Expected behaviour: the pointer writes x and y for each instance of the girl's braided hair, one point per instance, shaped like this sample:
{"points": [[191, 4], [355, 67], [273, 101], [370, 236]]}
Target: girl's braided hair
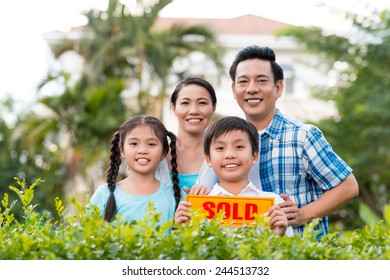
{"points": [[117, 143]]}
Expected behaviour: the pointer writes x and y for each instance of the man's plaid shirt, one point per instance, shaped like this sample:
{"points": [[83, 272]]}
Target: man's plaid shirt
{"points": [[296, 159]]}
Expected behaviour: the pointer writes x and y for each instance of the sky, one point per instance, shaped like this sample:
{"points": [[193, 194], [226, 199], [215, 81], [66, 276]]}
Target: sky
{"points": [[25, 56]]}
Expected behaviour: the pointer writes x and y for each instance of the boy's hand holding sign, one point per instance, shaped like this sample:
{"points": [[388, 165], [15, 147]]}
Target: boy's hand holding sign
{"points": [[237, 210]]}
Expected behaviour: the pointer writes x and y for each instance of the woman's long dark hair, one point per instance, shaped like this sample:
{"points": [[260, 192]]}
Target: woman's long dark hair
{"points": [[117, 143], [194, 81]]}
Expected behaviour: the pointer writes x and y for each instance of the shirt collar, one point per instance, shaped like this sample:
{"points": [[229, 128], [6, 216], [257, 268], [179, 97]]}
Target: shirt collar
{"points": [[249, 190], [275, 126]]}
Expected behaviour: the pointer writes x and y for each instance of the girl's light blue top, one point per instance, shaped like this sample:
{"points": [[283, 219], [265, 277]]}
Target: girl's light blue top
{"points": [[134, 207]]}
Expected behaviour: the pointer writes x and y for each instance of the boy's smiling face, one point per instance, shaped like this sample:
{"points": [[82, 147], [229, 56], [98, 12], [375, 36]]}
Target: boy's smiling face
{"points": [[231, 158]]}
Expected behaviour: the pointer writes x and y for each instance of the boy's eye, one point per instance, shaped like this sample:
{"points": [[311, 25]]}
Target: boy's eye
{"points": [[132, 143], [240, 147], [152, 144], [218, 148]]}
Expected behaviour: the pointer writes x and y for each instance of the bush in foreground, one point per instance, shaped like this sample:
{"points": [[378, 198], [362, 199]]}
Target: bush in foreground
{"points": [[86, 236]]}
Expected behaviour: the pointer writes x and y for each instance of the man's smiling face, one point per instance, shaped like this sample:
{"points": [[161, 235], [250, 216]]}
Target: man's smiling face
{"points": [[255, 89]]}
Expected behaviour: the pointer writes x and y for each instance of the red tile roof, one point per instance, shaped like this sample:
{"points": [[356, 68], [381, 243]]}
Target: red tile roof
{"points": [[243, 25]]}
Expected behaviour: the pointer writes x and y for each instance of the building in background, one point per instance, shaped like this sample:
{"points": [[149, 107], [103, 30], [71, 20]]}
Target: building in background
{"points": [[239, 32], [234, 34]]}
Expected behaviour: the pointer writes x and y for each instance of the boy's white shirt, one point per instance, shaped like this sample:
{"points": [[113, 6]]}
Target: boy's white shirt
{"points": [[252, 191]]}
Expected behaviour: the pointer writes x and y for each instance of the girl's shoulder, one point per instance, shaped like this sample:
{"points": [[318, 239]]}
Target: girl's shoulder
{"points": [[167, 188], [101, 193], [103, 188]]}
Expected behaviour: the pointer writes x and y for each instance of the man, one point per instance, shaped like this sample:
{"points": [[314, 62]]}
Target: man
{"points": [[295, 159]]}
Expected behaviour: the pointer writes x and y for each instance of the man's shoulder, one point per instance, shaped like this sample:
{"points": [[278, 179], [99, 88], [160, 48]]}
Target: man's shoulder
{"points": [[285, 124], [292, 122]]}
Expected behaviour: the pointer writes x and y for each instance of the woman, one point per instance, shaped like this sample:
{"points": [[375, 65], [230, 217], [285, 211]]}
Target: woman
{"points": [[193, 102]]}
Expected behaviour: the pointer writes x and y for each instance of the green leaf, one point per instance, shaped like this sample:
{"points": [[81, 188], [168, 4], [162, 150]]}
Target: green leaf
{"points": [[386, 214], [367, 215], [4, 202]]}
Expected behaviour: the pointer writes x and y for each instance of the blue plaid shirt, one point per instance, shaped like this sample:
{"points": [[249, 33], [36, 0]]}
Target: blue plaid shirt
{"points": [[296, 159]]}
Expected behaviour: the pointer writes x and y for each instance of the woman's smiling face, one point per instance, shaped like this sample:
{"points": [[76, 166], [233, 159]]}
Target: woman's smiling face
{"points": [[194, 109]]}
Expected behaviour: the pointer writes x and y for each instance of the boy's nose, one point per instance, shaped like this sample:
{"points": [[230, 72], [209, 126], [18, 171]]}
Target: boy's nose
{"points": [[230, 154]]}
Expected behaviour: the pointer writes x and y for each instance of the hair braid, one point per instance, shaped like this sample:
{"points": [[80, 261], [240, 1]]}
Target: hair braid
{"points": [[175, 173], [111, 176]]}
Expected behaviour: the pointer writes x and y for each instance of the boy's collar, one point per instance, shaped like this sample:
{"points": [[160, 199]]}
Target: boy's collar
{"points": [[219, 190]]}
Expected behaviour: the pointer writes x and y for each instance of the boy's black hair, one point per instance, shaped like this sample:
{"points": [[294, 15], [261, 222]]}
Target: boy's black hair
{"points": [[228, 124]]}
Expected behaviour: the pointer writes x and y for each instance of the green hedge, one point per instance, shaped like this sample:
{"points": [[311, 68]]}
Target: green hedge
{"points": [[85, 236]]}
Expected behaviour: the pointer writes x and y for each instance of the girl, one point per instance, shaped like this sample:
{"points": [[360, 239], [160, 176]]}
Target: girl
{"points": [[142, 142], [193, 102]]}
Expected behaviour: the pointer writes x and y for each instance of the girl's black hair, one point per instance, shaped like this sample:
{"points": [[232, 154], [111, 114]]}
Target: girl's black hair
{"points": [[117, 143], [194, 81], [228, 124]]}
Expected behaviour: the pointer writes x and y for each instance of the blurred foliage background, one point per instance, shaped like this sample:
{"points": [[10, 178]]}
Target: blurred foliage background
{"points": [[67, 143], [361, 132]]}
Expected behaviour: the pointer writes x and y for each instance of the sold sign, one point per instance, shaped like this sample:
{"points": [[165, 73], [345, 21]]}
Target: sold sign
{"points": [[237, 209]]}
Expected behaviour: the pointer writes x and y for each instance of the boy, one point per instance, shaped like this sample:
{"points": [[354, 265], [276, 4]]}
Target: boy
{"points": [[231, 149]]}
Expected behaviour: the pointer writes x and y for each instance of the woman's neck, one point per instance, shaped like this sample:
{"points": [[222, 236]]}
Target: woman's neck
{"points": [[190, 154], [187, 140]]}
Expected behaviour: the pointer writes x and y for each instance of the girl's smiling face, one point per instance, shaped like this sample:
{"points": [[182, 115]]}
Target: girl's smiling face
{"points": [[142, 150]]}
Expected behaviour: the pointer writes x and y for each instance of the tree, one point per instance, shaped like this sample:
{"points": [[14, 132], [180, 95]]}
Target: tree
{"points": [[124, 43], [21, 158], [65, 140], [361, 132], [82, 120]]}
